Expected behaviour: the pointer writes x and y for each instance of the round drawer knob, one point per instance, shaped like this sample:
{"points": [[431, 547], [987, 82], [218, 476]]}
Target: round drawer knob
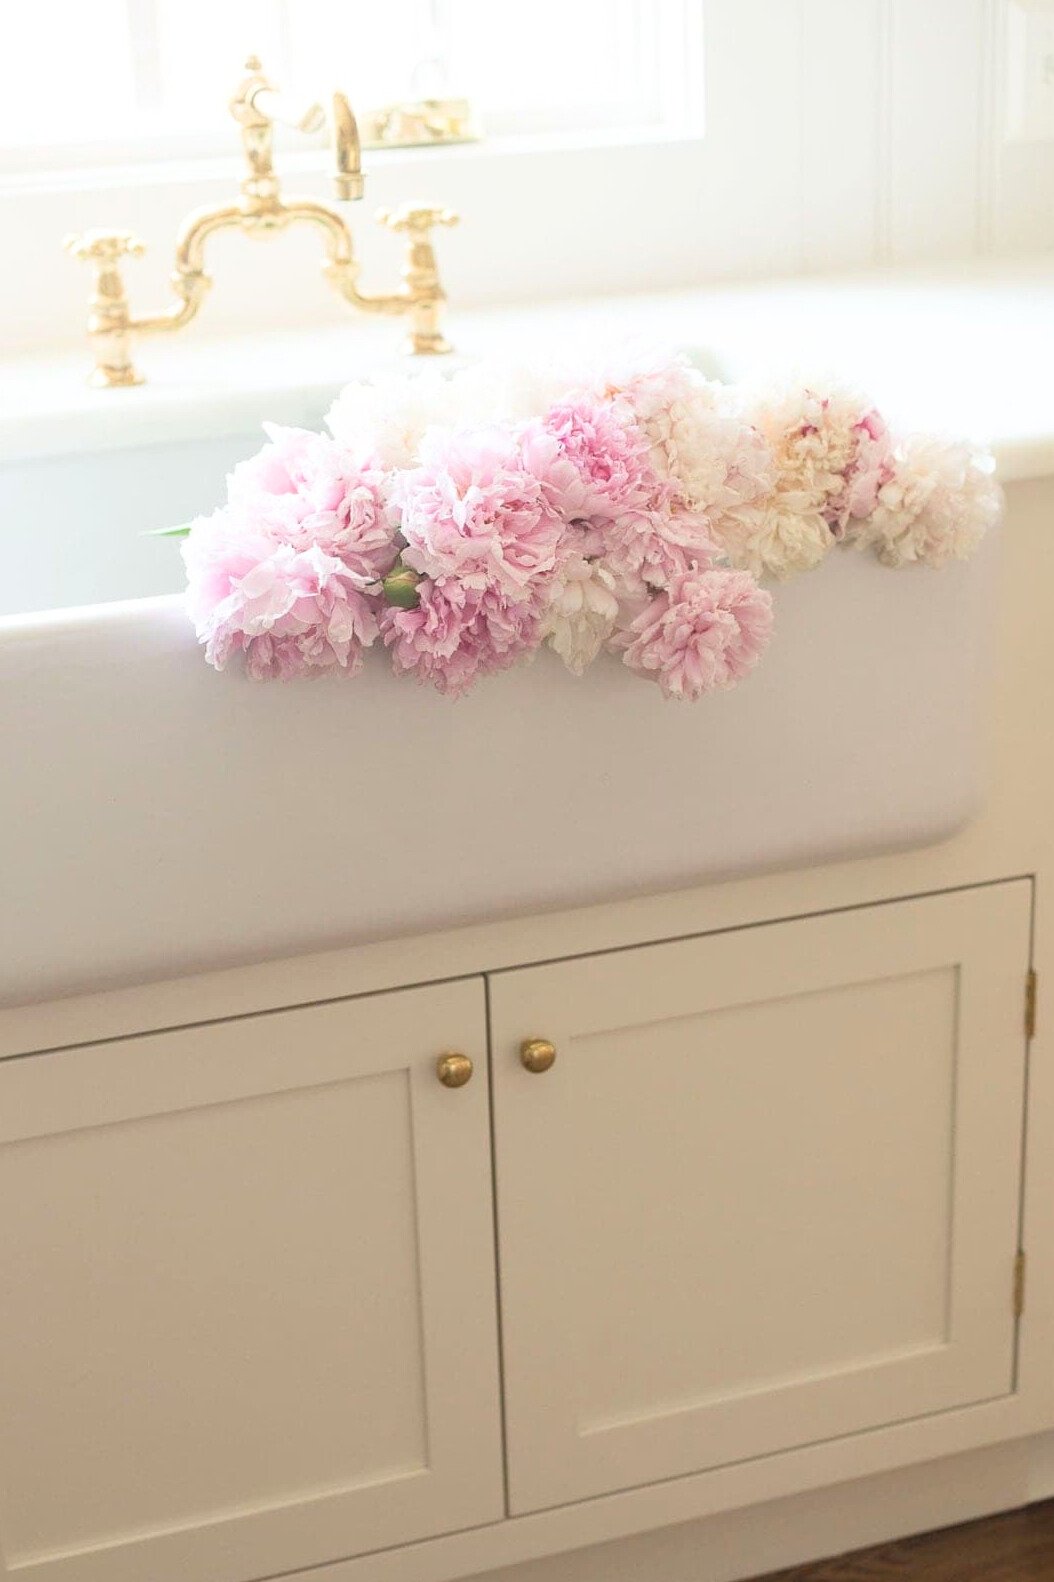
{"points": [[537, 1054], [453, 1071]]}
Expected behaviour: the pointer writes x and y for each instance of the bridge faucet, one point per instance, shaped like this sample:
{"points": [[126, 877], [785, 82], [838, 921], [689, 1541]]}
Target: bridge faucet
{"points": [[260, 211]]}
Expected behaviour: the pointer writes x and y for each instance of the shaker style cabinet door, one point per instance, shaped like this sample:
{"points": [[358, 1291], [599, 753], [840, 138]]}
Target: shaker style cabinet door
{"points": [[247, 1311], [767, 1192]]}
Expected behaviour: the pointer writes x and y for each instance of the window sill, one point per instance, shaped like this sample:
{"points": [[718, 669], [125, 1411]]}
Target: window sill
{"points": [[107, 176]]}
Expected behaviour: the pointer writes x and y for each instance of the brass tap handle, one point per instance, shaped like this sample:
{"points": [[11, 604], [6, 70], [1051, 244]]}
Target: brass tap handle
{"points": [[257, 102], [454, 1070], [295, 113], [416, 218], [109, 318], [103, 247], [537, 1055], [423, 292]]}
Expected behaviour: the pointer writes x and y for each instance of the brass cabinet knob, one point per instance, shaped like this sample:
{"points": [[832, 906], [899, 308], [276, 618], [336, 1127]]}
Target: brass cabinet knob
{"points": [[537, 1054], [453, 1070]]}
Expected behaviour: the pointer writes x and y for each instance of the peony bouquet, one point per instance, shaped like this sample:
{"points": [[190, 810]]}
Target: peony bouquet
{"points": [[461, 523]]}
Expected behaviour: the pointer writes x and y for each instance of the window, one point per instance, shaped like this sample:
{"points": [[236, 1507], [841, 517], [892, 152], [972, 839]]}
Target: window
{"points": [[139, 80]]}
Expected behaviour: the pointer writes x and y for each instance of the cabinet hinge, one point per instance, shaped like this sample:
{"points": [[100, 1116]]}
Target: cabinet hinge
{"points": [[1031, 991], [1019, 1285]]}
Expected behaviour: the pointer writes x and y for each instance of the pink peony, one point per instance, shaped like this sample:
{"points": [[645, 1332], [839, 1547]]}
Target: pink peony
{"points": [[480, 508], [523, 508], [706, 630], [457, 634], [647, 546], [697, 435], [609, 470], [663, 394], [290, 612], [306, 489]]}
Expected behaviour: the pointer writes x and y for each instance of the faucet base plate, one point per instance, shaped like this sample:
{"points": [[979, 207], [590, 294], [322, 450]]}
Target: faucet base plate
{"points": [[104, 378]]}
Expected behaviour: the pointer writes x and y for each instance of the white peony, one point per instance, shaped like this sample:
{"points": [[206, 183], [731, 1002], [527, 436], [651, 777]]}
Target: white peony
{"points": [[499, 392], [811, 436], [776, 539], [386, 418], [938, 505], [582, 614], [698, 439]]}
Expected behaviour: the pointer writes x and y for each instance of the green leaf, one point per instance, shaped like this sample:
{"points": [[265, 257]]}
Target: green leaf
{"points": [[167, 532]]}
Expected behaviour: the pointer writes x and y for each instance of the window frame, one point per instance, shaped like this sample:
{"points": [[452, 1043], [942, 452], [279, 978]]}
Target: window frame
{"points": [[674, 34], [542, 175]]}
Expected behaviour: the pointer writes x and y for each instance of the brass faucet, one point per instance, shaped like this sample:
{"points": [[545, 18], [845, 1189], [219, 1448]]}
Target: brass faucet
{"points": [[260, 211]]}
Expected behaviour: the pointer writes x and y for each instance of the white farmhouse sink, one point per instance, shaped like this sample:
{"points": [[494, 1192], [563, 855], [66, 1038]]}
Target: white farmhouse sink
{"points": [[157, 817]]}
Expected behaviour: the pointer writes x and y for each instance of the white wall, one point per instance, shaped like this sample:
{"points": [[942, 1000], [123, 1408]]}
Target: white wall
{"points": [[839, 134]]}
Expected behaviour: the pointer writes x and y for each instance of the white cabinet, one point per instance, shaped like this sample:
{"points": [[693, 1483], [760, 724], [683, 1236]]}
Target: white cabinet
{"points": [[767, 1194], [247, 1307]]}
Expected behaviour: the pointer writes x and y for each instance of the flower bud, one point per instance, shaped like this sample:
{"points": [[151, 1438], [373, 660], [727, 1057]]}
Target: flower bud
{"points": [[400, 587]]}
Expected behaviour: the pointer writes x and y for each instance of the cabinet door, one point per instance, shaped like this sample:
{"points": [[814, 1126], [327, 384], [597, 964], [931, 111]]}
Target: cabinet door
{"points": [[766, 1195], [247, 1310]]}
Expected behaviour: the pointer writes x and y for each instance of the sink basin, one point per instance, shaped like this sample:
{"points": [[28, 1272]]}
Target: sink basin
{"points": [[101, 507], [156, 817]]}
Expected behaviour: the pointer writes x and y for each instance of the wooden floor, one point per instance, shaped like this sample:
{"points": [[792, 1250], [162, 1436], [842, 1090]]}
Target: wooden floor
{"points": [[1018, 1547]]}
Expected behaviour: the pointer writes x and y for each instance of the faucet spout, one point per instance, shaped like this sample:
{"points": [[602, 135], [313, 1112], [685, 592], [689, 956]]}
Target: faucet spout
{"points": [[347, 151]]}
